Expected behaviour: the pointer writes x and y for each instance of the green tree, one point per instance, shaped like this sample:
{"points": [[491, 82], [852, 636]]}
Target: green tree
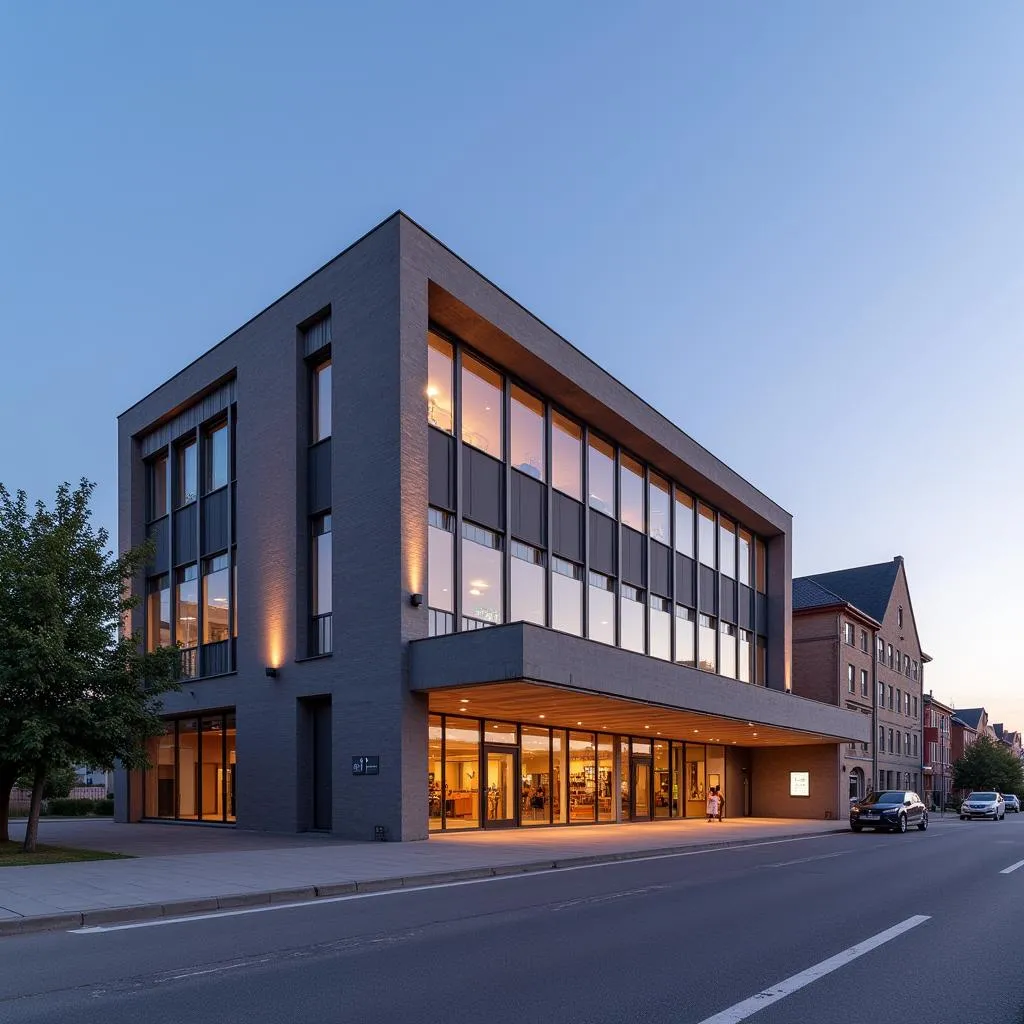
{"points": [[60, 780], [986, 764], [74, 686]]}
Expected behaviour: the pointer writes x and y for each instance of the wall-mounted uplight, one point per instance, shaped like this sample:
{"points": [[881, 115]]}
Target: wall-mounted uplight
{"points": [[415, 600], [271, 672]]}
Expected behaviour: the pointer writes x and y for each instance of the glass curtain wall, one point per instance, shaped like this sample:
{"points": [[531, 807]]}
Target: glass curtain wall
{"points": [[696, 794], [461, 773], [435, 774], [535, 768], [582, 777], [662, 779], [605, 777]]}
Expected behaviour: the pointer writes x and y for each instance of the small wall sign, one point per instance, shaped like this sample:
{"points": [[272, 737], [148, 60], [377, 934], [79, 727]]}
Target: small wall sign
{"points": [[366, 764], [799, 783]]}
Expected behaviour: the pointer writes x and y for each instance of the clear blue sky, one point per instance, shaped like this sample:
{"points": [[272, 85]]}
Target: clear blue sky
{"points": [[795, 228]]}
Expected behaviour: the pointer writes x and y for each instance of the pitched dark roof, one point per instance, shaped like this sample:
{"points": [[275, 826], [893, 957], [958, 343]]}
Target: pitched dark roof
{"points": [[998, 730], [867, 587], [808, 594], [971, 716]]}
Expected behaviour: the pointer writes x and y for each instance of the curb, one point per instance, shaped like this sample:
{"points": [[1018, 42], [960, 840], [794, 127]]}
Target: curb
{"points": [[313, 893]]}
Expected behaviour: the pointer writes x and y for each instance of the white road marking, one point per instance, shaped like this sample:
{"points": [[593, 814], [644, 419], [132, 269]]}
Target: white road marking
{"points": [[217, 970], [741, 1011], [1012, 868], [807, 860], [266, 908]]}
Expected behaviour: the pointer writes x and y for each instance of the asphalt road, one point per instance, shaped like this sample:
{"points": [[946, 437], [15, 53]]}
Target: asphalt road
{"points": [[818, 930]]}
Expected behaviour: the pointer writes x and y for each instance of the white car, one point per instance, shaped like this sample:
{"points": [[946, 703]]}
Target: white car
{"points": [[983, 805]]}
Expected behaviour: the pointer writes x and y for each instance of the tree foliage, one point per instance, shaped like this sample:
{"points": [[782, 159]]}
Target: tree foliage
{"points": [[74, 687], [986, 764]]}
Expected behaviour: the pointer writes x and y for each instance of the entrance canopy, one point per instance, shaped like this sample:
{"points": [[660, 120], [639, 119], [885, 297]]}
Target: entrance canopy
{"points": [[525, 673]]}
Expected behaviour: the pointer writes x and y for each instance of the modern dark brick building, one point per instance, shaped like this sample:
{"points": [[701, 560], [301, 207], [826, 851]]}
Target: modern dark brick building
{"points": [[855, 644], [431, 568]]}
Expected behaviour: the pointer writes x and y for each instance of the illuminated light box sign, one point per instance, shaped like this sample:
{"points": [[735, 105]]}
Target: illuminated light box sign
{"points": [[799, 783]]}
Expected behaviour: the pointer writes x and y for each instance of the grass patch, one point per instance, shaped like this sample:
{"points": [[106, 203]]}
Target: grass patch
{"points": [[11, 855]]}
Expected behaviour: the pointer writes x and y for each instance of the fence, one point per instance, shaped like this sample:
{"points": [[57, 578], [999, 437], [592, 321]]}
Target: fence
{"points": [[21, 799]]}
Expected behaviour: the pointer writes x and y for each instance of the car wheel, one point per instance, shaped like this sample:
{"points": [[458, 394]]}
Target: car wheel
{"points": [[902, 826], [923, 823], [856, 828], [963, 817]]}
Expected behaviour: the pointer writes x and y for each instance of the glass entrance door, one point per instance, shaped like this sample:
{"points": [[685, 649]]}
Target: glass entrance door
{"points": [[641, 795], [501, 796]]}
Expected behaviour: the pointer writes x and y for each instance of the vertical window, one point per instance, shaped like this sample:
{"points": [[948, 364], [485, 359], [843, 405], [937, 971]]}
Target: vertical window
{"points": [[461, 773], [864, 640], [186, 607], [535, 767], [727, 656], [215, 458], [914, 674], [898, 745], [727, 547], [890, 699], [851, 679], [881, 739], [746, 557], [707, 627], [216, 583], [631, 493], [891, 748], [899, 616], [864, 683], [706, 536], [906, 665], [945, 722], [601, 476], [659, 501], [527, 579], [899, 701], [890, 655], [762, 661], [321, 565], [661, 628], [899, 659], [906, 703], [439, 384], [321, 402], [684, 524], [601, 616], [186, 490], [746, 664], [761, 557], [158, 613], [481, 577], [526, 430], [631, 604], [481, 407], [881, 695], [686, 646], [915, 747], [881, 649], [566, 597], [566, 456], [848, 632], [156, 473], [440, 569]]}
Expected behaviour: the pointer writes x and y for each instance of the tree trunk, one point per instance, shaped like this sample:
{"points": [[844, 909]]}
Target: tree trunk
{"points": [[7, 780], [32, 827]]}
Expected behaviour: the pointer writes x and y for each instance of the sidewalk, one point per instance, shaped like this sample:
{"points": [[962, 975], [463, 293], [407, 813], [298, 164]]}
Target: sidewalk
{"points": [[234, 868]]}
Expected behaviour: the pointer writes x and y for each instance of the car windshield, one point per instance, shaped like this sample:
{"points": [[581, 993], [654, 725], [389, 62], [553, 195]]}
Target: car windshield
{"points": [[890, 797], [983, 797]]}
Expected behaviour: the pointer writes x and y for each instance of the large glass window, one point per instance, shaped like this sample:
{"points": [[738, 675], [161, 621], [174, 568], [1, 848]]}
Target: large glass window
{"points": [[559, 777], [566, 596], [186, 476], [566, 455], [746, 664], [160, 781], [631, 493], [696, 794], [188, 769], [213, 777], [440, 561], [624, 762], [727, 656], [746, 558], [707, 628], [685, 643], [632, 605], [684, 524], [582, 777], [435, 774], [156, 473], [601, 616], [481, 576], [601, 475], [659, 499], [461, 773], [706, 536], [727, 547], [158, 612], [535, 768], [186, 606], [527, 434], [661, 628], [321, 565], [528, 601], [716, 775], [216, 581], [321, 402], [662, 780], [215, 458], [481, 406], [761, 558], [605, 778], [439, 384]]}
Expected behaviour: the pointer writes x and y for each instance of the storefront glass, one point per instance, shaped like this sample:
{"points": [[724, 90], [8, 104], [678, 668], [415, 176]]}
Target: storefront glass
{"points": [[662, 779], [435, 775], [188, 769], [559, 777], [605, 778], [535, 768], [582, 777], [462, 773], [624, 778], [716, 773], [677, 780], [696, 794], [160, 786]]}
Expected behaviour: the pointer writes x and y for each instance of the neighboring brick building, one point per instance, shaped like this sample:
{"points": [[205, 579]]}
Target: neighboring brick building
{"points": [[837, 614], [963, 732], [938, 752]]}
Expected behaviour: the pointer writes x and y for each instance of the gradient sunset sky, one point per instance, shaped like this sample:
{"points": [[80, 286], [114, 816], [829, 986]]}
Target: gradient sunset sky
{"points": [[795, 228]]}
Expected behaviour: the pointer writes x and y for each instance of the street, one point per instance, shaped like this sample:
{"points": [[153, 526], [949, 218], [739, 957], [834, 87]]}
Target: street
{"points": [[842, 927]]}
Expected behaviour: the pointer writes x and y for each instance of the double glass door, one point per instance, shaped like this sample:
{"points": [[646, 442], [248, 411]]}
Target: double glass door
{"points": [[501, 796], [640, 809]]}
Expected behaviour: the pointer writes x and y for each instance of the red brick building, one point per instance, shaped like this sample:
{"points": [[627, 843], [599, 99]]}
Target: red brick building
{"points": [[938, 752]]}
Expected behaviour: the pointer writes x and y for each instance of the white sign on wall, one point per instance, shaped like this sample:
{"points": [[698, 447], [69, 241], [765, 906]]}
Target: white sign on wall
{"points": [[799, 783]]}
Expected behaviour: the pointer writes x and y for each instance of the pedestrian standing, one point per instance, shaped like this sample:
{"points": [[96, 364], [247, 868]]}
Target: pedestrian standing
{"points": [[721, 802], [712, 805]]}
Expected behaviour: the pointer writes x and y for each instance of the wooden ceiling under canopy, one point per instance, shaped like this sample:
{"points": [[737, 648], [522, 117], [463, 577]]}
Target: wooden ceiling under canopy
{"points": [[539, 704]]}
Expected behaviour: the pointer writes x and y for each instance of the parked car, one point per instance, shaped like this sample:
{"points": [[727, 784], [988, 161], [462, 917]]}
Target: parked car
{"points": [[983, 805], [894, 810], [1012, 802]]}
